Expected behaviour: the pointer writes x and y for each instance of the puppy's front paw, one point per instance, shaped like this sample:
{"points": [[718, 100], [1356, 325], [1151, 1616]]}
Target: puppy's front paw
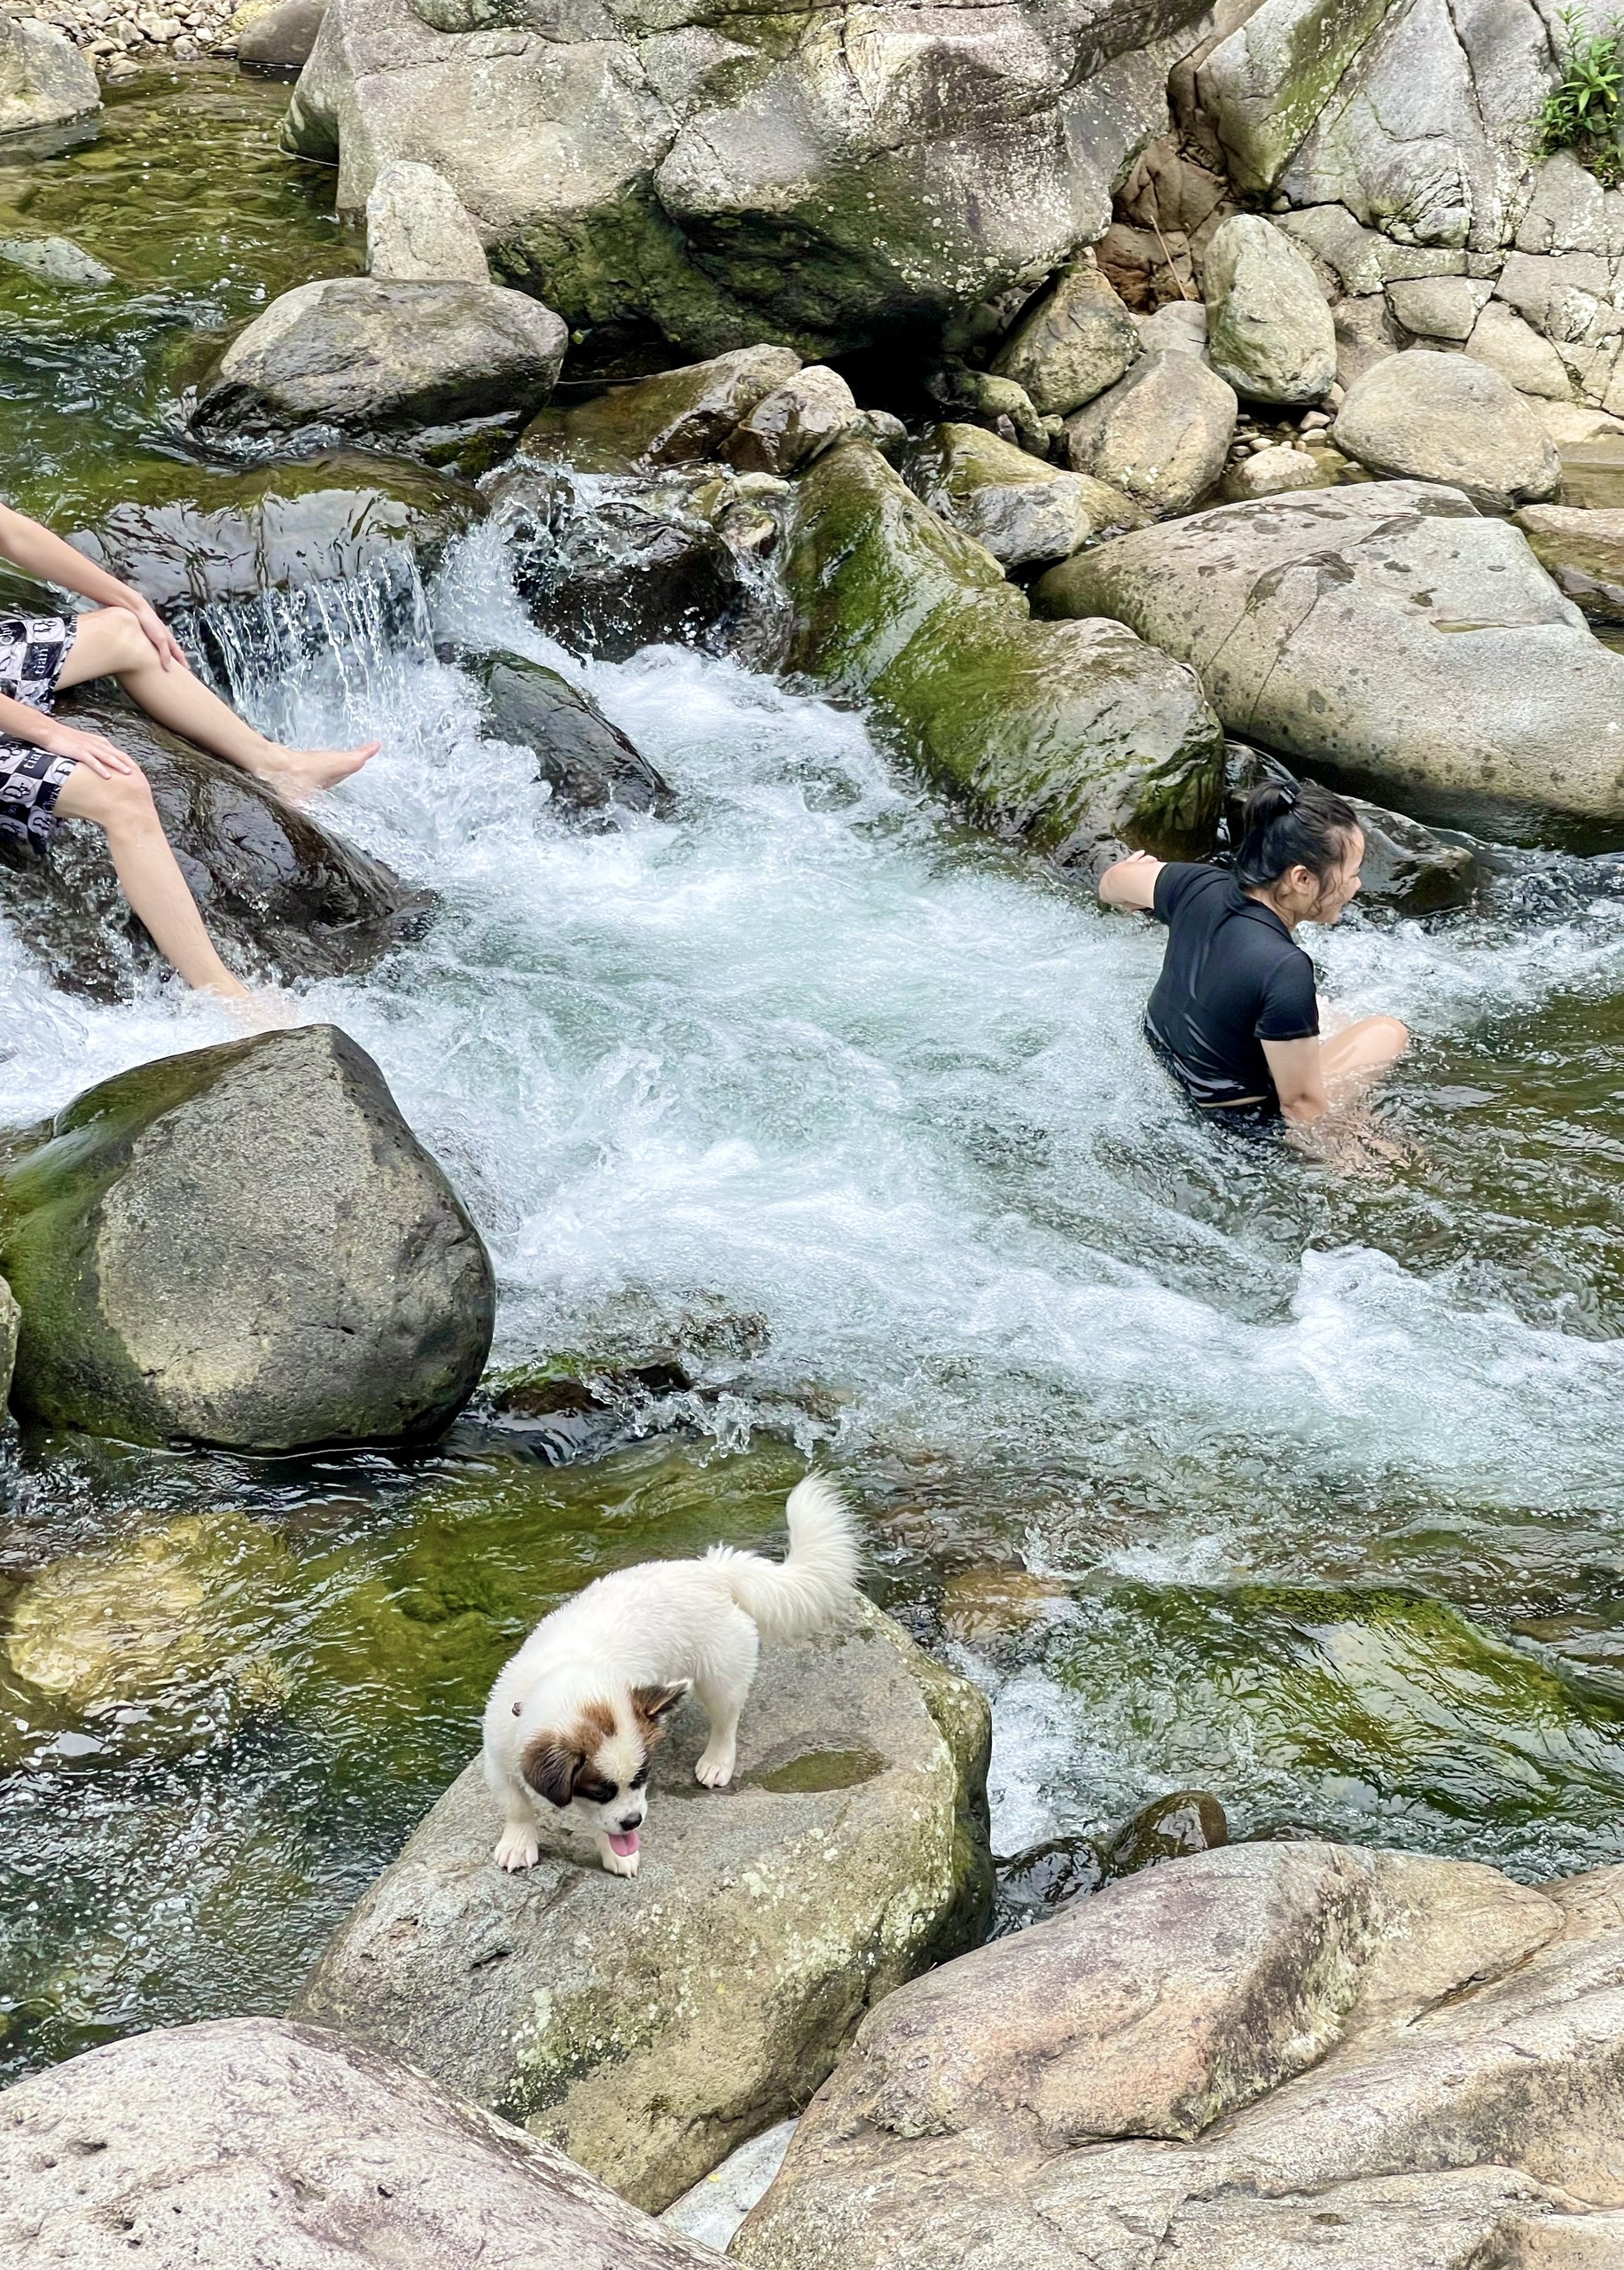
{"points": [[618, 1864], [715, 1769], [516, 1848]]}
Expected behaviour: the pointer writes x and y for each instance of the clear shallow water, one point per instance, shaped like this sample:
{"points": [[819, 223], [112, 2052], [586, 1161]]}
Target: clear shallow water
{"points": [[1213, 1466]]}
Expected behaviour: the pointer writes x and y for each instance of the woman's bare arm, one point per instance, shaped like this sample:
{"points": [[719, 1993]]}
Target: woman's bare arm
{"points": [[1299, 1074], [1131, 883], [38, 553]]}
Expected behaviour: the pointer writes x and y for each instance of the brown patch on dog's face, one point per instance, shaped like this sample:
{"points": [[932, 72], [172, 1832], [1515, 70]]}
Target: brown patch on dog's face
{"points": [[549, 1763]]}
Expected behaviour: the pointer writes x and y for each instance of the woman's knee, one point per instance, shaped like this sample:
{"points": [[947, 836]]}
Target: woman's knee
{"points": [[114, 801], [109, 642]]}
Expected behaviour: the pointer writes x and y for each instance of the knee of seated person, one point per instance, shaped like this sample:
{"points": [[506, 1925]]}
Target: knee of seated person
{"points": [[125, 799], [128, 643]]}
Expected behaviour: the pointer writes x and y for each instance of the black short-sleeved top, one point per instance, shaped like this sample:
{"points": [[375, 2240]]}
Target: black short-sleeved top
{"points": [[1233, 978]]}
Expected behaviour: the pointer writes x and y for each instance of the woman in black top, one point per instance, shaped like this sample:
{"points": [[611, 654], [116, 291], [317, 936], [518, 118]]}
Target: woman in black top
{"points": [[1234, 1015]]}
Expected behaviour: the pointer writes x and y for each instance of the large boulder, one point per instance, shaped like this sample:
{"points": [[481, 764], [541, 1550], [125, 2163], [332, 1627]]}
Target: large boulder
{"points": [[1427, 416], [416, 229], [1255, 2058], [284, 897], [248, 2141], [1076, 341], [797, 422], [246, 1246], [589, 764], [366, 354], [1268, 329], [1019, 508], [1161, 435], [281, 527], [1385, 629], [677, 418], [45, 83], [1070, 738], [646, 2027], [829, 183]]}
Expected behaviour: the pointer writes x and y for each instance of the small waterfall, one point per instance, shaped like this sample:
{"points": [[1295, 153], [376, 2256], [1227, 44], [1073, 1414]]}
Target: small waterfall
{"points": [[346, 635]]}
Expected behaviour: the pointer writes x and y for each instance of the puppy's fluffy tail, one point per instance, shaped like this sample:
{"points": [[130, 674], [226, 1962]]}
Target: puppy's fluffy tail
{"points": [[809, 1587]]}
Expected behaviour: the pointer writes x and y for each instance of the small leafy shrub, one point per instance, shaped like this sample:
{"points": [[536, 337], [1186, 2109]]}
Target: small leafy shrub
{"points": [[1584, 111]]}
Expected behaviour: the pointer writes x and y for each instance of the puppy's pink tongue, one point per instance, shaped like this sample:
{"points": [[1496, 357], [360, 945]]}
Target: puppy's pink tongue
{"points": [[624, 1844]]}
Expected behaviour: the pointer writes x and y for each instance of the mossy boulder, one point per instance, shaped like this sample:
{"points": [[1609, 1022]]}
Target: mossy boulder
{"points": [[1022, 510], [647, 2027], [678, 416], [1074, 745], [246, 1246]]}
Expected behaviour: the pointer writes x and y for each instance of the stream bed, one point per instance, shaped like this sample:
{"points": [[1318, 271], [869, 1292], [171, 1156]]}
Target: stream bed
{"points": [[1215, 1468]]}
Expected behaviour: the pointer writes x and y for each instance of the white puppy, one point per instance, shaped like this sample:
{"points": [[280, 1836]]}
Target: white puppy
{"points": [[573, 1716]]}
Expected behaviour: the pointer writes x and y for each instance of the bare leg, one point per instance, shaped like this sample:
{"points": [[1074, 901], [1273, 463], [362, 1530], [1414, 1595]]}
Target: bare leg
{"points": [[147, 873], [109, 643]]}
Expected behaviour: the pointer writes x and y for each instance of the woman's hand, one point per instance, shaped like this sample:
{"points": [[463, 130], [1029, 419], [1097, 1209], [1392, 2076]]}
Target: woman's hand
{"points": [[154, 629], [94, 751]]}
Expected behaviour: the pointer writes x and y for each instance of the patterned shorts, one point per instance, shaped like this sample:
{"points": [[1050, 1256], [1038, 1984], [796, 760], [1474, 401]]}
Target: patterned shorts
{"points": [[33, 649]]}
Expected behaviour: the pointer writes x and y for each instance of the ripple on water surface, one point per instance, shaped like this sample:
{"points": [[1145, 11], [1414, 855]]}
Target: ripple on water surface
{"points": [[1307, 1491]]}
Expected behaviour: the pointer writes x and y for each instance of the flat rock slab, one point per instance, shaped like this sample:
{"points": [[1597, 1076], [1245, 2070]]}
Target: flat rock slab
{"points": [[647, 2027], [1384, 629], [250, 2143], [1264, 2057], [246, 1246], [1584, 551]]}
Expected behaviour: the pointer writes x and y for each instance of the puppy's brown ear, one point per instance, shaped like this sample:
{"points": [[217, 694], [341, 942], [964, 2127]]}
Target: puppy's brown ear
{"points": [[655, 1704], [550, 1766]]}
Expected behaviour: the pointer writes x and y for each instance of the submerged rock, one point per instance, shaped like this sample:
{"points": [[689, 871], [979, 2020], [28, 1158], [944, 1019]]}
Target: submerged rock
{"points": [[1427, 416], [679, 417], [1252, 2057], [282, 528], [609, 565], [416, 228], [246, 1246], [283, 898], [56, 260], [1270, 332], [1076, 341], [370, 355], [1583, 552], [45, 83], [589, 764], [1167, 1829], [248, 2141], [646, 2028], [1073, 744], [1021, 509], [1385, 629], [1161, 435]]}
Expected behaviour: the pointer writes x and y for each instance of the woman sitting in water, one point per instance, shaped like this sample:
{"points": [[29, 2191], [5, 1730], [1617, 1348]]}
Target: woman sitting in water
{"points": [[1234, 1015], [51, 771]]}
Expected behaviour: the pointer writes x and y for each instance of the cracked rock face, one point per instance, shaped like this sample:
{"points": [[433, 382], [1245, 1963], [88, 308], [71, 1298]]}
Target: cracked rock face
{"points": [[246, 1246], [1265, 2057], [1387, 630], [248, 2141], [648, 2025], [821, 176]]}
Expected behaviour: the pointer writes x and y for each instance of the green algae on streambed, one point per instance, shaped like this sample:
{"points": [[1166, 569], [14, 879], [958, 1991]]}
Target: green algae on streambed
{"points": [[186, 198], [217, 1724]]}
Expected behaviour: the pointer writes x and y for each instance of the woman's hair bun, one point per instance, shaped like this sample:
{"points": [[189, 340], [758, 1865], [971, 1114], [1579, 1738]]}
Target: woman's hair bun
{"points": [[1293, 825]]}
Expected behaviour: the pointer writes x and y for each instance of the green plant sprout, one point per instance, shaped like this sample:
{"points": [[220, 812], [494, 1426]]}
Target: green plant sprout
{"points": [[1584, 111]]}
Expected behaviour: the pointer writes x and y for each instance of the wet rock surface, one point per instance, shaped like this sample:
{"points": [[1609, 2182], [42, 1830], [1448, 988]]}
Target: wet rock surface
{"points": [[9, 1317], [1070, 744], [368, 355], [246, 1246], [796, 422], [1583, 553], [284, 897], [589, 764], [1387, 629], [1021, 509], [679, 417], [647, 2026], [247, 2142], [1408, 869], [1249, 2054]]}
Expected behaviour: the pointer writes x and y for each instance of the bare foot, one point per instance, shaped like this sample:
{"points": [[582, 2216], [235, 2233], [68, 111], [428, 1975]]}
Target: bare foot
{"points": [[296, 773], [267, 1010]]}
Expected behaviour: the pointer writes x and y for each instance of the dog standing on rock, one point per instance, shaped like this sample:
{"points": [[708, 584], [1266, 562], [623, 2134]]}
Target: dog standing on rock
{"points": [[576, 1715]]}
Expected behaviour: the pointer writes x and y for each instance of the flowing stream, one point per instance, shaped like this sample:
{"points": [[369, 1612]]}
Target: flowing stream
{"points": [[1215, 1468]]}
